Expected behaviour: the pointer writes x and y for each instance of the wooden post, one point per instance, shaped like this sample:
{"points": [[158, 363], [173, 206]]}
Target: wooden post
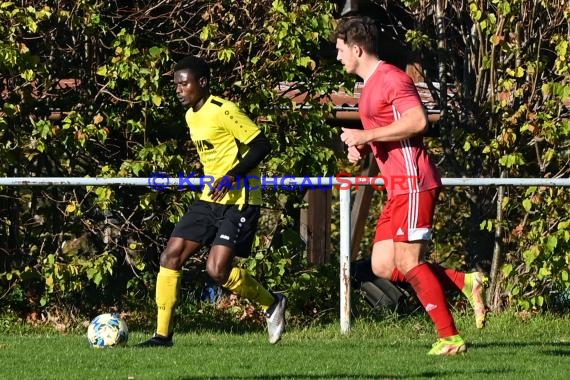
{"points": [[316, 225]]}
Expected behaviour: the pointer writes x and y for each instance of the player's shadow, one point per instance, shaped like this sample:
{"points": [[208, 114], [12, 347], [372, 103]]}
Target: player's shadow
{"points": [[219, 322], [217, 312], [557, 349], [375, 376], [291, 376], [553, 349]]}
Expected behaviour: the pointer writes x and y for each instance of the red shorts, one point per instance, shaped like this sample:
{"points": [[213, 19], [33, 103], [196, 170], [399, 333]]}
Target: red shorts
{"points": [[407, 217]]}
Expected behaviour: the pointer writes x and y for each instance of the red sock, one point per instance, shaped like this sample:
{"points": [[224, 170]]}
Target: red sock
{"points": [[450, 279], [431, 295], [397, 276]]}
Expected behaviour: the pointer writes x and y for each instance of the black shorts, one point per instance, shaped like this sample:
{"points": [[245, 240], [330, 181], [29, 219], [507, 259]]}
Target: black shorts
{"points": [[216, 224]]}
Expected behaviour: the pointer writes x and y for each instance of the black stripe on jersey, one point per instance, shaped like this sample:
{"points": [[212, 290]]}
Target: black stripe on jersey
{"points": [[246, 185], [218, 103], [238, 144]]}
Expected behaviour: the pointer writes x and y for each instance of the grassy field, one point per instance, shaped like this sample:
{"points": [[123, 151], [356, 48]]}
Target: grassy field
{"points": [[511, 347]]}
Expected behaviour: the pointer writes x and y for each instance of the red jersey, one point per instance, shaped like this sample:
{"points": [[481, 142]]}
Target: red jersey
{"points": [[405, 165]]}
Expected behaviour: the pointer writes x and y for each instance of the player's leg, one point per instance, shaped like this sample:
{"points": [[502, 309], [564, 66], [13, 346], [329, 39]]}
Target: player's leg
{"points": [[169, 278], [382, 260], [237, 280], [472, 285], [449, 278], [194, 230], [474, 289], [168, 282], [430, 294], [237, 231], [412, 218]]}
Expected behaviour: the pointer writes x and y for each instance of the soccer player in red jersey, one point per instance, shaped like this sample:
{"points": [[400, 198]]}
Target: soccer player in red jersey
{"points": [[394, 121]]}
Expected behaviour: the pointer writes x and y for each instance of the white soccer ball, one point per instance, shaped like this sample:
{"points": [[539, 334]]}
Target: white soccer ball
{"points": [[107, 330]]}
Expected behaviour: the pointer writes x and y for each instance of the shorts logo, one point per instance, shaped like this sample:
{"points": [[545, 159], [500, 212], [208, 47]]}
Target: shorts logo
{"points": [[225, 237], [242, 219], [430, 307], [399, 232]]}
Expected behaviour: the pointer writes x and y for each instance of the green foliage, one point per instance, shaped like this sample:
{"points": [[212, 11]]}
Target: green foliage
{"points": [[510, 117], [311, 290], [87, 91], [280, 47]]}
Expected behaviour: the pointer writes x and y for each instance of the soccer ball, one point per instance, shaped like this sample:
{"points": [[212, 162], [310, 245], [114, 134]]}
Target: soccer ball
{"points": [[107, 330]]}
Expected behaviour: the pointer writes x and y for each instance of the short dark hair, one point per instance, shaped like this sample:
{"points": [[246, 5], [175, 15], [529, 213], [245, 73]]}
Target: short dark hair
{"points": [[197, 65], [360, 30]]}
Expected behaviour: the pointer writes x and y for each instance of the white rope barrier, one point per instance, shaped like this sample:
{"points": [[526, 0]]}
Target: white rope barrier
{"points": [[174, 181]]}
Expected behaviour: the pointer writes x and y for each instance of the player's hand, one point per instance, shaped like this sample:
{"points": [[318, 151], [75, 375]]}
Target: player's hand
{"points": [[353, 137], [355, 153], [221, 187]]}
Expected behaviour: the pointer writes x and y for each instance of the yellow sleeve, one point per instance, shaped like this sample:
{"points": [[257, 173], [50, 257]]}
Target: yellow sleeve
{"points": [[237, 123]]}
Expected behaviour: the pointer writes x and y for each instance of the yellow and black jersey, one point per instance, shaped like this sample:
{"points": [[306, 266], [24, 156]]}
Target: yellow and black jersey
{"points": [[220, 132]]}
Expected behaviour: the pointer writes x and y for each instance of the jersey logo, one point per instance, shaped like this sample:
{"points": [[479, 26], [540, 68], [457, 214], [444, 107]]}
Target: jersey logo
{"points": [[204, 145]]}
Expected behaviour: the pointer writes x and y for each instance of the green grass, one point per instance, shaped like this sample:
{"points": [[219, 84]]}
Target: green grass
{"points": [[509, 348]]}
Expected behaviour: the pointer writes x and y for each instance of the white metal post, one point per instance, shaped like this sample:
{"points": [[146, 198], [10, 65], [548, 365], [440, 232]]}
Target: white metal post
{"points": [[344, 261]]}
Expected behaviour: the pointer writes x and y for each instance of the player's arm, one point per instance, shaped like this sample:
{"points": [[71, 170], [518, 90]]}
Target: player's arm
{"points": [[259, 147], [400, 92], [411, 123], [244, 130]]}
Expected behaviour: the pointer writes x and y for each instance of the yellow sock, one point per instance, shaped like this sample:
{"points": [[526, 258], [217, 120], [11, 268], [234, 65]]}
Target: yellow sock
{"points": [[167, 289], [241, 283]]}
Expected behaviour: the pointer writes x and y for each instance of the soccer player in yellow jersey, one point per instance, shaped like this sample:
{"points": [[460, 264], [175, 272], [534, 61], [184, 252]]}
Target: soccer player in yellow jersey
{"points": [[230, 147]]}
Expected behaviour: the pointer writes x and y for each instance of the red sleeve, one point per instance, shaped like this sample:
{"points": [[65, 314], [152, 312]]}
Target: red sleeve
{"points": [[401, 91]]}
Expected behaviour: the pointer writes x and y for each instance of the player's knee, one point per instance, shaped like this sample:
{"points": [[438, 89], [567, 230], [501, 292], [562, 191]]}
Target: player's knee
{"points": [[382, 271], [171, 258], [218, 273], [406, 264]]}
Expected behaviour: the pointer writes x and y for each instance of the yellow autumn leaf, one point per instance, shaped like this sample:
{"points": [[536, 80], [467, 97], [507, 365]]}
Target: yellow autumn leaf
{"points": [[28, 75], [156, 99], [71, 207], [496, 40]]}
